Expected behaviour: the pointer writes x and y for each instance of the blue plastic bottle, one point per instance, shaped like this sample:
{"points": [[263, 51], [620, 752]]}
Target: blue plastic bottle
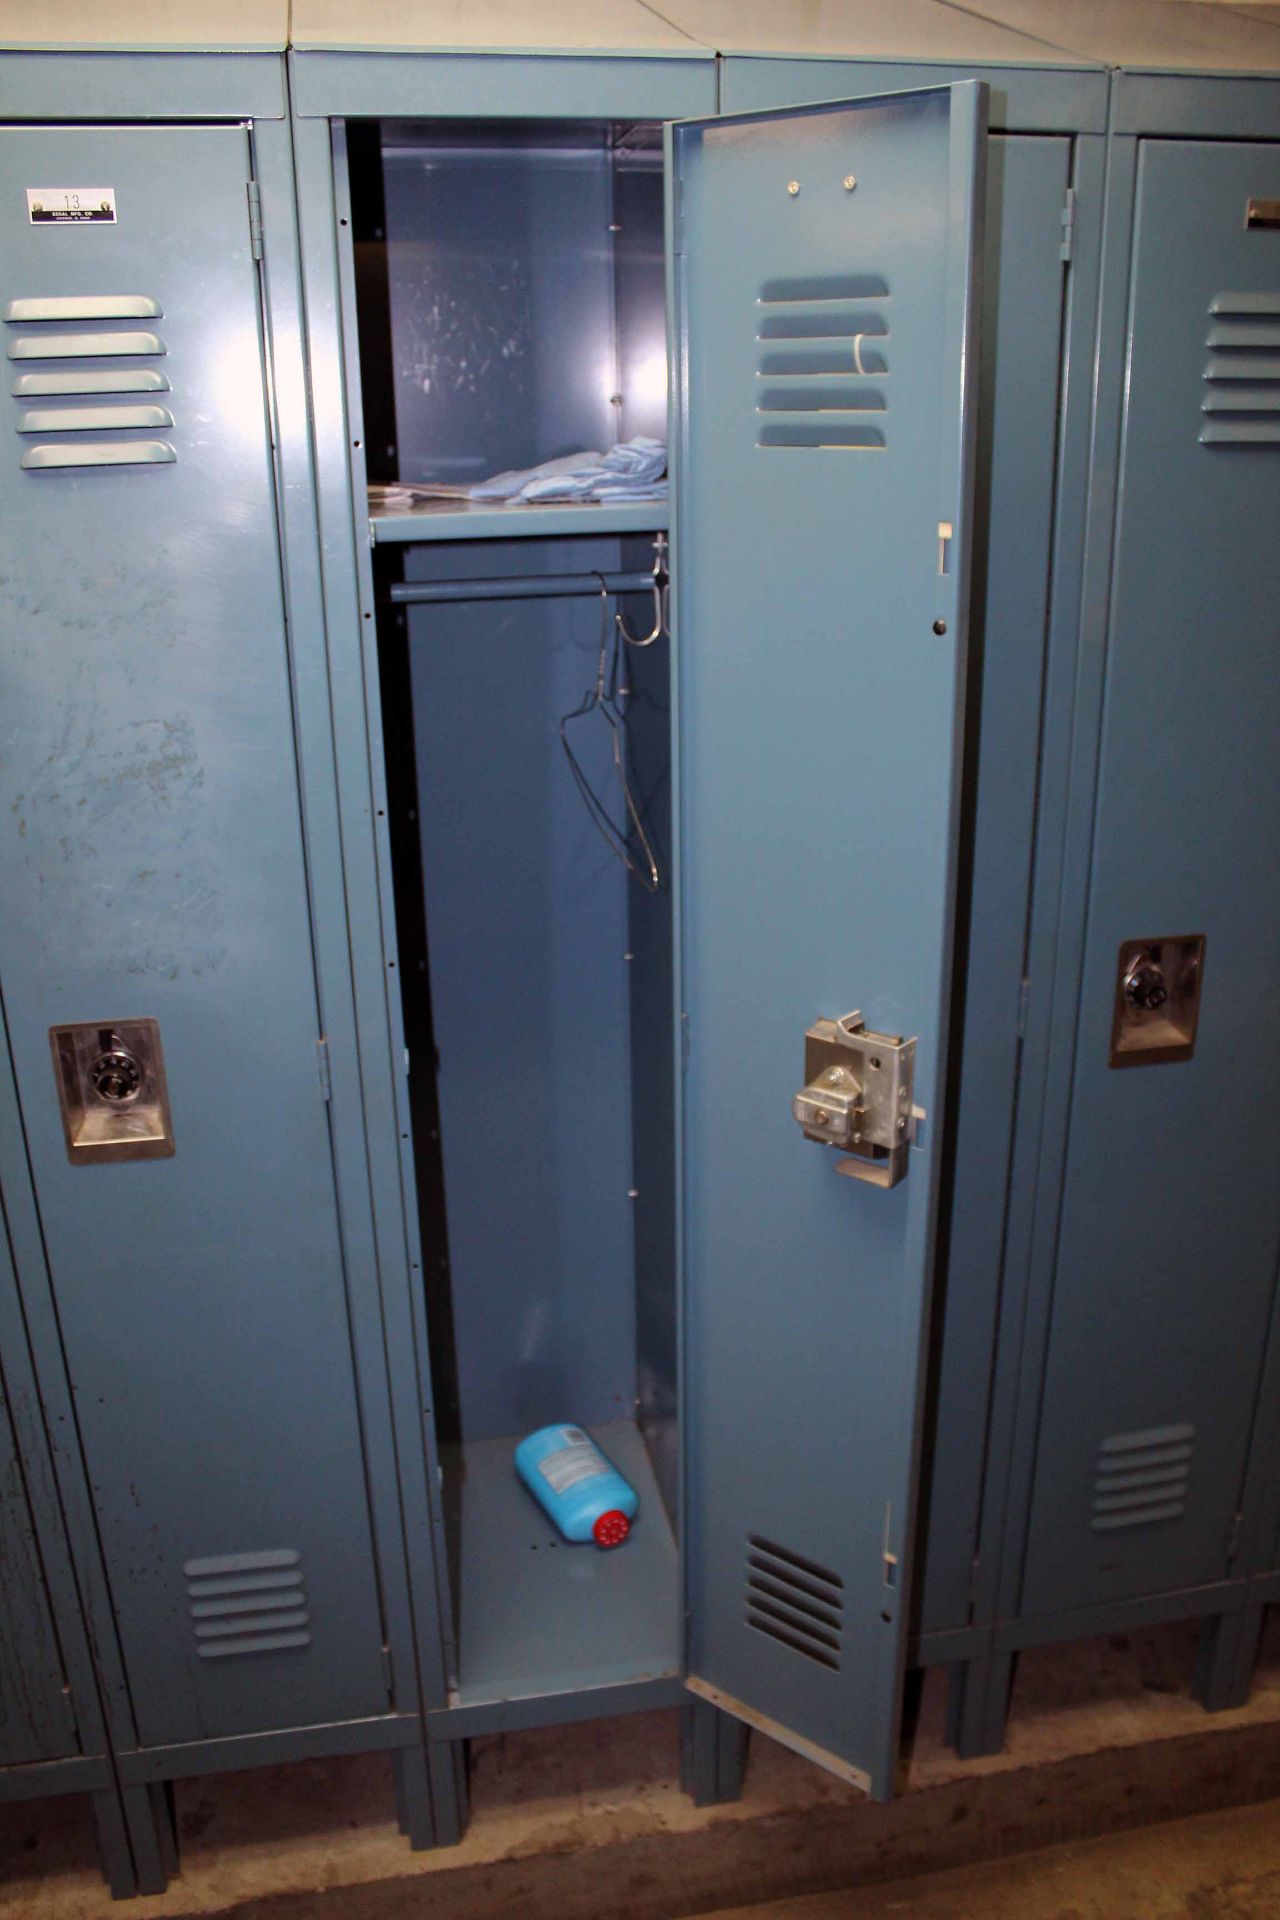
{"points": [[574, 1483]]}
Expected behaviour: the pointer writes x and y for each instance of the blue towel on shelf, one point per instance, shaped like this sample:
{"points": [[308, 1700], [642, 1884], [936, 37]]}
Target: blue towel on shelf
{"points": [[632, 470]]}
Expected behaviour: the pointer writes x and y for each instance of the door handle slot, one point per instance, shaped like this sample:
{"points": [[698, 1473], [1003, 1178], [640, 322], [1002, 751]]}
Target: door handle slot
{"points": [[1157, 1000]]}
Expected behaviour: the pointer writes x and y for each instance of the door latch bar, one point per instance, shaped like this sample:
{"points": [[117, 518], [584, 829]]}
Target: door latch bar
{"points": [[858, 1097]]}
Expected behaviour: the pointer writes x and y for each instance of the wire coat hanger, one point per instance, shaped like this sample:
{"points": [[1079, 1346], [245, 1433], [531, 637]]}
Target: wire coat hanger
{"points": [[602, 698]]}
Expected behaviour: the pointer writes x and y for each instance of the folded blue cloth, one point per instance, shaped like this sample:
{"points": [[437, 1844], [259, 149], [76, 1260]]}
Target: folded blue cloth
{"points": [[631, 470]]}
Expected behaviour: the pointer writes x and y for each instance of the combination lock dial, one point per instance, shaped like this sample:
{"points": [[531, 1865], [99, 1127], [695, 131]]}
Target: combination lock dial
{"points": [[1145, 986], [115, 1074]]}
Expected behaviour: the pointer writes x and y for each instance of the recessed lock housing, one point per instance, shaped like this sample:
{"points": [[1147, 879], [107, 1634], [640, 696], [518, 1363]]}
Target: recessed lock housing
{"points": [[111, 1090], [1157, 1000], [858, 1096]]}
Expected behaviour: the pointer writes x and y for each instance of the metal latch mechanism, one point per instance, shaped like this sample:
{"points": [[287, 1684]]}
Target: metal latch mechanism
{"points": [[857, 1096]]}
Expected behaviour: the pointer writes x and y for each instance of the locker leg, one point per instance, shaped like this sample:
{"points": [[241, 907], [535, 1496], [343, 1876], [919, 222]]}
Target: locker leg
{"points": [[113, 1845], [1226, 1654], [713, 1754], [431, 1793], [978, 1704], [148, 1813]]}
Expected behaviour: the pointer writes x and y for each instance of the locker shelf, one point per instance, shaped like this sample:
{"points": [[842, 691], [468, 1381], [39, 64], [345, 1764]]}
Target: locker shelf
{"points": [[472, 520], [537, 1616]]}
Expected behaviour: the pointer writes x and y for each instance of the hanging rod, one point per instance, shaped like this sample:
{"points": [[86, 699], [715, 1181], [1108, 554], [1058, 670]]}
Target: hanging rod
{"points": [[538, 586]]}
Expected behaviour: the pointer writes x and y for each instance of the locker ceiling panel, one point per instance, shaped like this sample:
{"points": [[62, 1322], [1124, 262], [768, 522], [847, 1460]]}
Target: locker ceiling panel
{"points": [[1146, 33], [489, 26], [154, 26], [863, 30]]}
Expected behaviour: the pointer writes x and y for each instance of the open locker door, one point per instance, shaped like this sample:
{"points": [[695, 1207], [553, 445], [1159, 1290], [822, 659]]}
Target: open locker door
{"points": [[823, 279]]}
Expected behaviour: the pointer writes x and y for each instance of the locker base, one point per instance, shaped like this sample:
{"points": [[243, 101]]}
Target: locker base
{"points": [[713, 1754]]}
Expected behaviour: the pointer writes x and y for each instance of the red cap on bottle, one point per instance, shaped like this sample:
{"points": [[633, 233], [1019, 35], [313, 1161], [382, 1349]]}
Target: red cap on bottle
{"points": [[611, 1529]]}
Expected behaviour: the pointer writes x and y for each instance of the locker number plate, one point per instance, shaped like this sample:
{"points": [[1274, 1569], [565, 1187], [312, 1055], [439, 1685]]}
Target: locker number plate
{"points": [[71, 206]]}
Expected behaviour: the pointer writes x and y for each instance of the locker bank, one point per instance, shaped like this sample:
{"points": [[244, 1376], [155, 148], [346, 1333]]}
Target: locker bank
{"points": [[777, 969]]}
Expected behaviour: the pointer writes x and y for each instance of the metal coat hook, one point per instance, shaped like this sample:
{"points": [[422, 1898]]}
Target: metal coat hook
{"points": [[661, 587]]}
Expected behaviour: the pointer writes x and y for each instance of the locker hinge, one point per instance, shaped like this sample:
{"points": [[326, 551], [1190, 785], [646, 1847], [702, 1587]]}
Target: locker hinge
{"points": [[1068, 225], [255, 218], [1024, 1001], [322, 1058], [1233, 1538], [389, 1673]]}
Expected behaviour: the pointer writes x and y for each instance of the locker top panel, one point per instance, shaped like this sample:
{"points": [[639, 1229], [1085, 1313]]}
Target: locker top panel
{"points": [[144, 60]]}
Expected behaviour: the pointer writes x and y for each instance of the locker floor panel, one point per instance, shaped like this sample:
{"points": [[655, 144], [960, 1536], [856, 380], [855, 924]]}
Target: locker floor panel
{"points": [[536, 1615]]}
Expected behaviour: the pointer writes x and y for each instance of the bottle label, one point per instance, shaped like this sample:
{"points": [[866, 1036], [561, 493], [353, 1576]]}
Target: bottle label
{"points": [[579, 1459]]}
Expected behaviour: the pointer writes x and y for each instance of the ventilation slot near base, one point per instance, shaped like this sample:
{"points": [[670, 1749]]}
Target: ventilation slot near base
{"points": [[827, 331], [1242, 374], [247, 1603], [795, 1601], [1141, 1477]]}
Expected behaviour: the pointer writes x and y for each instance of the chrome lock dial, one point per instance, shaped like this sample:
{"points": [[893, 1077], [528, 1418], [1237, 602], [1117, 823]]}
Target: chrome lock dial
{"points": [[115, 1074]]}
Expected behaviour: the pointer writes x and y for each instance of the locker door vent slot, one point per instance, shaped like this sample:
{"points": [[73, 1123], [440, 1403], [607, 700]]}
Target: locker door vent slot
{"points": [[795, 1601], [100, 380], [83, 346], [247, 1603], [1242, 374], [1141, 1477], [809, 331], [83, 306], [55, 341]]}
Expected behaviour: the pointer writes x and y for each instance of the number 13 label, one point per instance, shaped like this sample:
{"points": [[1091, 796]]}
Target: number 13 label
{"points": [[70, 206]]}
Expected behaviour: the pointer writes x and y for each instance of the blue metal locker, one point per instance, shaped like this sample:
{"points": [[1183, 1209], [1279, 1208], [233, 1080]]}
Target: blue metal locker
{"points": [[1097, 1514], [226, 1448], [1042, 227], [346, 250], [1184, 838], [53, 1736], [333, 1210]]}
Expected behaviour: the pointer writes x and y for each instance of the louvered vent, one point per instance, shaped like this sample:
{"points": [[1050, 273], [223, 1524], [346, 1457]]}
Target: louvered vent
{"points": [[823, 362], [1242, 373], [795, 1601], [247, 1603], [1141, 1477], [64, 365]]}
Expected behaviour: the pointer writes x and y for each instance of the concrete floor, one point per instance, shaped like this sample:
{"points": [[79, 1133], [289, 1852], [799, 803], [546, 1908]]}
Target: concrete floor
{"points": [[589, 1823], [1221, 1866]]}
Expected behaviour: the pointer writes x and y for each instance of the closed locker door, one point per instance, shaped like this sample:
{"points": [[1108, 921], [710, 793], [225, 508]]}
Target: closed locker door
{"points": [[153, 871], [36, 1722], [826, 350], [1168, 1236], [1023, 289]]}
